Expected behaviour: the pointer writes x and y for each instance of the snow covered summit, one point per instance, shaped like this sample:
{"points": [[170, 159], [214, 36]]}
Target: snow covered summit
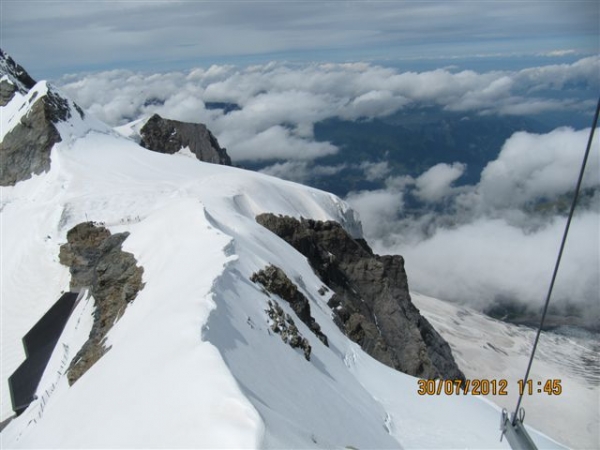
{"points": [[191, 351]]}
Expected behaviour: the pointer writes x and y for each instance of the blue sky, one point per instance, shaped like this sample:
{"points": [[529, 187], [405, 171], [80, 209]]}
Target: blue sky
{"points": [[52, 38]]}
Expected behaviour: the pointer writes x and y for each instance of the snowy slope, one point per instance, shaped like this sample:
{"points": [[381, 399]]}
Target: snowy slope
{"points": [[192, 362]]}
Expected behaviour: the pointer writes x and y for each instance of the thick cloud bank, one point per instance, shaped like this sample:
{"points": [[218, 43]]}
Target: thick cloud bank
{"points": [[499, 239], [267, 112]]}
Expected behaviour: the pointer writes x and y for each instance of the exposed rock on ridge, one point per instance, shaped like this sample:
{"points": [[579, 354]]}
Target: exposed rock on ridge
{"points": [[283, 325], [95, 259], [25, 150], [14, 79], [275, 281], [371, 303], [170, 136]]}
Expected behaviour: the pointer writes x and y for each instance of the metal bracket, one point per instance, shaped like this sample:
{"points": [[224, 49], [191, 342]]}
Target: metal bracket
{"points": [[515, 431]]}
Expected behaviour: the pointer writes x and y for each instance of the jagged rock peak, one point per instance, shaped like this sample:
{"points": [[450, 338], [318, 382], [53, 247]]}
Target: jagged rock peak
{"points": [[13, 78], [171, 136], [31, 113], [372, 303]]}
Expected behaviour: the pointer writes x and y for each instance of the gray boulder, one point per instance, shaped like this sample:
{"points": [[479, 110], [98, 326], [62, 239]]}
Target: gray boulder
{"points": [[170, 136], [371, 304]]}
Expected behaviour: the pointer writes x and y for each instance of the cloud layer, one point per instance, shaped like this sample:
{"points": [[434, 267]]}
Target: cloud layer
{"points": [[499, 238], [278, 104]]}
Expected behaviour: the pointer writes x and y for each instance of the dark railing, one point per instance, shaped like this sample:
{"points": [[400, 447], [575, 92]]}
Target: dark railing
{"points": [[39, 344]]}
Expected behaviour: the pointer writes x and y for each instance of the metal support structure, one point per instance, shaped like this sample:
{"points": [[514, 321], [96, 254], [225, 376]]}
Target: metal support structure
{"points": [[515, 432]]}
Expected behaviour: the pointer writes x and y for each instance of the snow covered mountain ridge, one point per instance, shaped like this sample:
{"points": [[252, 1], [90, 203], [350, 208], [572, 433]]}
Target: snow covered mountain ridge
{"points": [[191, 351]]}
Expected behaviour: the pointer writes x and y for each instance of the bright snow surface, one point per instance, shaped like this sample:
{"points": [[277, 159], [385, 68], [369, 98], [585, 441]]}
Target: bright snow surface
{"points": [[192, 362]]}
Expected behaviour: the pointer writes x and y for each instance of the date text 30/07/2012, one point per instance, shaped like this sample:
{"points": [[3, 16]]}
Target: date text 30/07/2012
{"points": [[487, 387]]}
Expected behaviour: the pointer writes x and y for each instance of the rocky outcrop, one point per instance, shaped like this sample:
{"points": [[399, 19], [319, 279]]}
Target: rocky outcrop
{"points": [[25, 149], [283, 325], [14, 79], [95, 259], [275, 281], [371, 303], [170, 136], [7, 91]]}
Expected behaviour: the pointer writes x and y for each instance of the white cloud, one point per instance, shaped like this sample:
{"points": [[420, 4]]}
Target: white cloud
{"points": [[491, 241], [489, 258], [436, 183], [283, 102], [377, 209], [375, 171], [301, 171], [553, 53], [531, 167], [373, 104], [276, 142], [558, 76], [290, 170]]}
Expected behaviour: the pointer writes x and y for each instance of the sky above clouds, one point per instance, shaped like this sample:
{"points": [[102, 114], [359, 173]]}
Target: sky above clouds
{"points": [[52, 38]]}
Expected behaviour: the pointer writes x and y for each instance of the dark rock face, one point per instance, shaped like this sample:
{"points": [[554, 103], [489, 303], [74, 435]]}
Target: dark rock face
{"points": [[95, 259], [25, 150], [371, 303], [283, 325], [275, 281], [19, 78], [7, 92], [170, 136]]}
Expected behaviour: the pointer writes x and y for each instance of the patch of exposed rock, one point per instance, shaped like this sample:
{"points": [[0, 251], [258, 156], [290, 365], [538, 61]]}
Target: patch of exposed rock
{"points": [[283, 325], [17, 79], [170, 136], [371, 304], [7, 91], [275, 281], [25, 150], [95, 259]]}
